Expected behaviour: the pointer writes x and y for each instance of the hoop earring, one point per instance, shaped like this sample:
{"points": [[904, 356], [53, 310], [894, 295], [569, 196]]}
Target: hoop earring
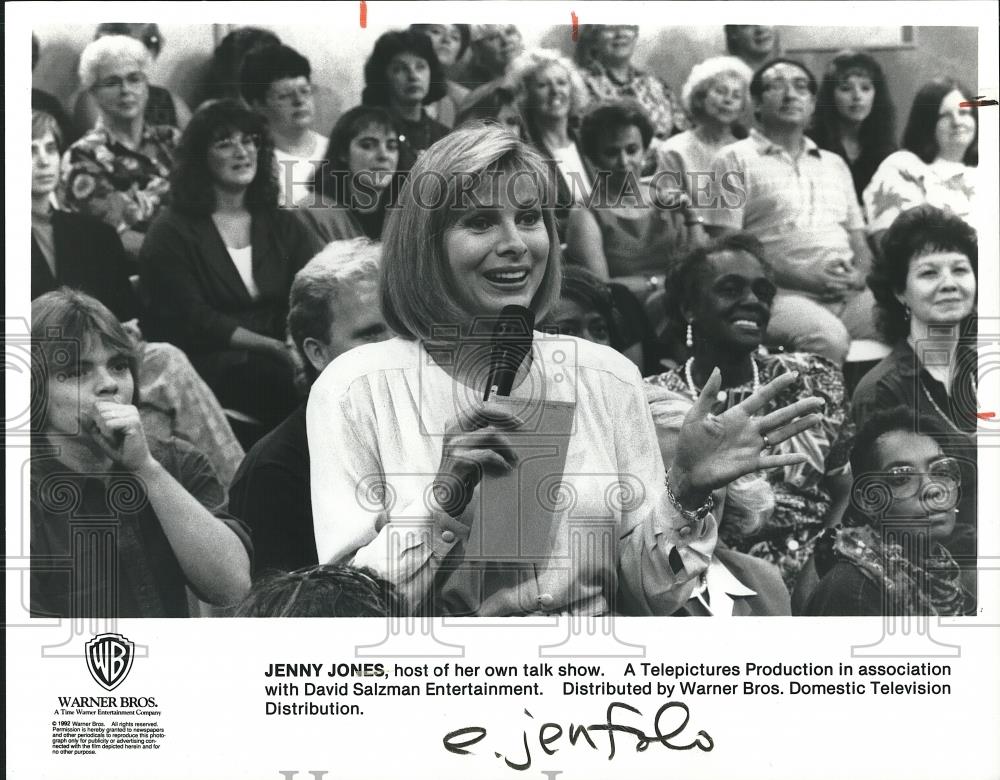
{"points": [[689, 341]]}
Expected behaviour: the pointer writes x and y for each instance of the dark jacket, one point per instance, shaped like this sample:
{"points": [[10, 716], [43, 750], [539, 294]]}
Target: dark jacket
{"points": [[89, 257], [196, 296]]}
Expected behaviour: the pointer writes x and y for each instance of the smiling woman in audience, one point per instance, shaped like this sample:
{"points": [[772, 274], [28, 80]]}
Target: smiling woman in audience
{"points": [[937, 164], [855, 116], [218, 266], [119, 170], [353, 185], [925, 285], [553, 98], [721, 295], [400, 438], [403, 75]]}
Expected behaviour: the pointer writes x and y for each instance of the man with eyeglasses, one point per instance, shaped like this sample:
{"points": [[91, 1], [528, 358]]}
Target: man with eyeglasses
{"points": [[275, 82], [798, 200], [891, 555]]}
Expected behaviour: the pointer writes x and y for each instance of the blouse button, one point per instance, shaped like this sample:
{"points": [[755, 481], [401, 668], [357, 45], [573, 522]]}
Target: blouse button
{"points": [[448, 536]]}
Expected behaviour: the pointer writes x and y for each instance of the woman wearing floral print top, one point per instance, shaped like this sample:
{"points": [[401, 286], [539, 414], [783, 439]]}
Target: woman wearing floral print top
{"points": [[119, 171], [721, 294], [604, 55]]}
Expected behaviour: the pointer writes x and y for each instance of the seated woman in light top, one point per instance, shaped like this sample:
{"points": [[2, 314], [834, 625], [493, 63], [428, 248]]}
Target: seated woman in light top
{"points": [[717, 97], [400, 438], [218, 266], [937, 164]]}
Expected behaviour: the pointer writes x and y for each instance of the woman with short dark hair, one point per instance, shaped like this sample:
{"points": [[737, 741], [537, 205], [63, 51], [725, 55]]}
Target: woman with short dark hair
{"points": [[936, 164], [854, 116], [925, 286], [403, 75], [629, 233], [218, 266], [889, 557]]}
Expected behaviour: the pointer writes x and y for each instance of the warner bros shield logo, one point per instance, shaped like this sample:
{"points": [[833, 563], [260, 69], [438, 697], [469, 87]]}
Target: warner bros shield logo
{"points": [[109, 659]]}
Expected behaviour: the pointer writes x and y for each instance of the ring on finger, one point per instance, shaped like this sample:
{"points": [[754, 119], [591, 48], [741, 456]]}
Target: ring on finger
{"points": [[767, 442]]}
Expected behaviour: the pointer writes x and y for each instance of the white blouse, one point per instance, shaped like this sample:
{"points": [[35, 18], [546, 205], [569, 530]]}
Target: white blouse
{"points": [[375, 421]]}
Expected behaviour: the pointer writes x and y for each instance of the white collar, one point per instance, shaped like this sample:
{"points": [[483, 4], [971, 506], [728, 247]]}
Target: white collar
{"points": [[722, 587]]}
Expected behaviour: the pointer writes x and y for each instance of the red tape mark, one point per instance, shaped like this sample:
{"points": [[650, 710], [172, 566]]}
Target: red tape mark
{"points": [[986, 415], [976, 102], [364, 14], [576, 25]]}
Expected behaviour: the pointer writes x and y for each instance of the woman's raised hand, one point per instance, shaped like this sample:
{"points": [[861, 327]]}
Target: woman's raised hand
{"points": [[475, 442], [713, 450]]}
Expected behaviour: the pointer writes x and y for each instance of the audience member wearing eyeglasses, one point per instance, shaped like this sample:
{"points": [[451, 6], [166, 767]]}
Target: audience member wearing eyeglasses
{"points": [[275, 81], [925, 285], [119, 171], [800, 202], [888, 557], [163, 106], [218, 265]]}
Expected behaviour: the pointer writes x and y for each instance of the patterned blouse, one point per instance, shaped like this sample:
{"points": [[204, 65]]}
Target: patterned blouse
{"points": [[801, 499], [653, 94], [904, 181], [120, 186]]}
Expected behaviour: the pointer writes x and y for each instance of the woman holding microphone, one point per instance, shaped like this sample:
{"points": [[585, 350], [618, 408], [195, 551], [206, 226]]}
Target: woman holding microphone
{"points": [[400, 438]]}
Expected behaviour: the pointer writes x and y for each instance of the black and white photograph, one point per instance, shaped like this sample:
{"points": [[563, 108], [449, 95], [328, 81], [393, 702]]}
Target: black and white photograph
{"points": [[522, 328]]}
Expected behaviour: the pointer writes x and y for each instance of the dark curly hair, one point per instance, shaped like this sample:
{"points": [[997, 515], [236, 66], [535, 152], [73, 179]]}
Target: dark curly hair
{"points": [[191, 182], [878, 131], [333, 172], [327, 590], [918, 137], [223, 78], [264, 65], [608, 117], [683, 281], [915, 232], [388, 45]]}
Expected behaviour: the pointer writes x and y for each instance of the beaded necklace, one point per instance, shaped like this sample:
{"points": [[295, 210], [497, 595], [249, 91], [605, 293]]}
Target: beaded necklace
{"points": [[721, 395]]}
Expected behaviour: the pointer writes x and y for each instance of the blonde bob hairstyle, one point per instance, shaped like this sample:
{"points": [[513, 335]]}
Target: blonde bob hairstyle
{"points": [[111, 48], [525, 67], [418, 295]]}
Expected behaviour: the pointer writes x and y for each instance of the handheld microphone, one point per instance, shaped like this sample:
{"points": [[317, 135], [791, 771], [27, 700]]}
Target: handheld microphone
{"points": [[512, 337]]}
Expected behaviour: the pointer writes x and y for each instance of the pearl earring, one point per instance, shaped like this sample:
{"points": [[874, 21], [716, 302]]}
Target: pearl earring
{"points": [[690, 337], [907, 310]]}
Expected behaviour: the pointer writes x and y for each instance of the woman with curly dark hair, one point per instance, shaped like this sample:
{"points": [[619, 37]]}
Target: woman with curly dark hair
{"points": [[925, 290], [855, 117], [218, 265], [403, 75], [937, 164]]}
